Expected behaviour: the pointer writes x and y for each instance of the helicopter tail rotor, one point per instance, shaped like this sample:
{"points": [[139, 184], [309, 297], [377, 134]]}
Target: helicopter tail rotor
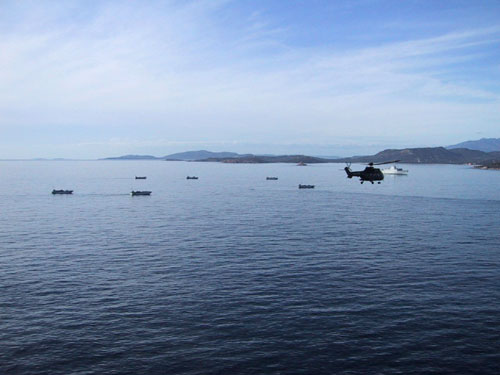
{"points": [[347, 170]]}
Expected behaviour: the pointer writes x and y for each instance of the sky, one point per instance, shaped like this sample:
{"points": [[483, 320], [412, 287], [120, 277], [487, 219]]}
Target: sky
{"points": [[92, 79]]}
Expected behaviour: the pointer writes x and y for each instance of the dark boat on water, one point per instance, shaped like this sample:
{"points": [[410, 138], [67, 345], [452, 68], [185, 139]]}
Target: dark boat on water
{"points": [[134, 193], [191, 178], [306, 186], [62, 191], [272, 178], [140, 178]]}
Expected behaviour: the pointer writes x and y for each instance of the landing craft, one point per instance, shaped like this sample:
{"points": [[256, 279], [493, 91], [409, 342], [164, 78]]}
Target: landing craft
{"points": [[369, 173]]}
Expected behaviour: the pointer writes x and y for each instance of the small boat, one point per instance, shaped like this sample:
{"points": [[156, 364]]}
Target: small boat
{"points": [[306, 186], [62, 191], [140, 177], [395, 170], [272, 178], [191, 178], [134, 193], [301, 164]]}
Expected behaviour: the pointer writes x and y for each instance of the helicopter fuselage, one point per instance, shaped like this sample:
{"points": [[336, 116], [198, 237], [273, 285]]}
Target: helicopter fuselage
{"points": [[368, 174]]}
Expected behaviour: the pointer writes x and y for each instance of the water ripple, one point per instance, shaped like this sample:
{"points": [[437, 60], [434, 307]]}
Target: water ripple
{"points": [[226, 279]]}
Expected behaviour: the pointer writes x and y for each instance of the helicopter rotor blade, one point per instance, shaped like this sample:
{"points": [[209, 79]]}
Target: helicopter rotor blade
{"points": [[384, 162]]}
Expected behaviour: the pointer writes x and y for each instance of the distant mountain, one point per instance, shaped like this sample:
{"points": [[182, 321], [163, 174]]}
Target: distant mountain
{"points": [[483, 144], [201, 154], [133, 157], [424, 155], [258, 159], [188, 155], [427, 155]]}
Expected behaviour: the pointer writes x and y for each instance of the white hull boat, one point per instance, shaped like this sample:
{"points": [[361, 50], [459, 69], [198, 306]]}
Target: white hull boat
{"points": [[395, 170]]}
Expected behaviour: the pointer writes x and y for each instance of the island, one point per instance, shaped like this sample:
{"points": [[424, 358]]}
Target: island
{"points": [[483, 153]]}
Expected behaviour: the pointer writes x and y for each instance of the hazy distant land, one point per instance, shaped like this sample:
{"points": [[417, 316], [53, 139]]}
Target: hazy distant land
{"points": [[185, 156], [483, 144], [483, 152], [491, 164]]}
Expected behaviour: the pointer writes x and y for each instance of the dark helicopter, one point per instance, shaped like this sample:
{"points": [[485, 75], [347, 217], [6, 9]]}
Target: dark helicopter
{"points": [[369, 173]]}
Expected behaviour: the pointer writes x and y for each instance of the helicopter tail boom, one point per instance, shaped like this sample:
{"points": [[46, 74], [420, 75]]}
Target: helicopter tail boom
{"points": [[351, 174]]}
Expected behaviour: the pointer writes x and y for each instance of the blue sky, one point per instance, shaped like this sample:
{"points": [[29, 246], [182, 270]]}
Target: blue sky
{"points": [[89, 79]]}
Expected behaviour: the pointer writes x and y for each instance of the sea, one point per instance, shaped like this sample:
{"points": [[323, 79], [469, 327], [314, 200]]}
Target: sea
{"points": [[235, 274]]}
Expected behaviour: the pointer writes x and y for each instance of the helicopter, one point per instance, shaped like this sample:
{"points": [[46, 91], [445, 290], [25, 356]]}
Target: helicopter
{"points": [[370, 173]]}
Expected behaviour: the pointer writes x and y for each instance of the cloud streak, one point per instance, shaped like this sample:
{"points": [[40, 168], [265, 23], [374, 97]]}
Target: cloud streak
{"points": [[175, 71]]}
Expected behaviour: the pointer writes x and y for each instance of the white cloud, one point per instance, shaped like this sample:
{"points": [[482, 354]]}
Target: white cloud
{"points": [[172, 69]]}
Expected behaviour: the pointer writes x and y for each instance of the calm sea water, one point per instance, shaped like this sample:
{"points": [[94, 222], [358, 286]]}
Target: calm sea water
{"points": [[233, 274]]}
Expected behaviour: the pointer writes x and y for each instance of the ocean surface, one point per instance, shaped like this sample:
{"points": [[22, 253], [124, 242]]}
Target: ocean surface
{"points": [[233, 274]]}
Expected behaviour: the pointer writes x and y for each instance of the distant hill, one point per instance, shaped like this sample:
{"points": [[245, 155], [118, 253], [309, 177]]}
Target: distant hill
{"points": [[201, 154], [188, 155], [258, 159], [423, 155], [483, 144], [490, 164], [133, 157], [426, 155]]}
